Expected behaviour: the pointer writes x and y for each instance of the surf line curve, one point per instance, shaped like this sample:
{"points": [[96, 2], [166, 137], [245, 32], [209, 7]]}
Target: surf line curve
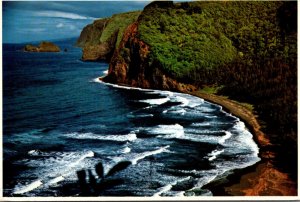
{"points": [[252, 124], [229, 106]]}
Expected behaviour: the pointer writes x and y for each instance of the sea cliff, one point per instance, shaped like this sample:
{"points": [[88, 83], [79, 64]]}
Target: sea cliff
{"points": [[221, 51], [100, 38]]}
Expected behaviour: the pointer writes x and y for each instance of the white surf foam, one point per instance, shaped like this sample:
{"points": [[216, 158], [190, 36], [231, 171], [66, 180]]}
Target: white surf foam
{"points": [[177, 111], [139, 115], [201, 124], [97, 80], [183, 100], [161, 92], [158, 101], [34, 152], [117, 138], [141, 156], [225, 137], [105, 72], [213, 155], [244, 138], [168, 187], [188, 100], [168, 131], [28, 188], [125, 150], [163, 190], [51, 168], [56, 180]]}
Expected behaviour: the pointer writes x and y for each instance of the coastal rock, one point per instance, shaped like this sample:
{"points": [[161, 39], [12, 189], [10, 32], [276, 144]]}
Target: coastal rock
{"points": [[44, 46], [131, 65], [91, 33], [102, 51], [99, 39]]}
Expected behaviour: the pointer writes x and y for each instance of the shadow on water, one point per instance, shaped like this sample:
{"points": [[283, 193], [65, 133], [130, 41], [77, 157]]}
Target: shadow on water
{"points": [[91, 185]]}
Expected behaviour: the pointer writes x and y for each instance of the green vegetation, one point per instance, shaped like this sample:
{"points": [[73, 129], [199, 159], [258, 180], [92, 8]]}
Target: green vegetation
{"points": [[247, 48], [188, 37], [211, 89], [118, 22], [184, 42]]}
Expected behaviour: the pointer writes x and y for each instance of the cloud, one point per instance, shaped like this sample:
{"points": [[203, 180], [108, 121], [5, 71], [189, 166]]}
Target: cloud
{"points": [[59, 25], [60, 14]]}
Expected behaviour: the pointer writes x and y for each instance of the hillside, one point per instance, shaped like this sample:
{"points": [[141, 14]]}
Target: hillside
{"points": [[100, 38], [245, 51]]}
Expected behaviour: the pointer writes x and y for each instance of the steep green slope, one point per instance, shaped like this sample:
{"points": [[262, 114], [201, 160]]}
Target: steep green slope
{"points": [[100, 38], [188, 37], [118, 22]]}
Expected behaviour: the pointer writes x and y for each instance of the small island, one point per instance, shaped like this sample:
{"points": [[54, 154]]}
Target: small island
{"points": [[44, 46]]}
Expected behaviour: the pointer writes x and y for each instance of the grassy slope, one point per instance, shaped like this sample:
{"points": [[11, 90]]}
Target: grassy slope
{"points": [[102, 30], [118, 22]]}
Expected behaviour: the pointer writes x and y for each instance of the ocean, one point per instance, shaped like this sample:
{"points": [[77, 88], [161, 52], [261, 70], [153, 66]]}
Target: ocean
{"points": [[65, 133]]}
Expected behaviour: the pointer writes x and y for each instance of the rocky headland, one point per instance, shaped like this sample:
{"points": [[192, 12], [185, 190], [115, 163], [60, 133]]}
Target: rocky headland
{"points": [[99, 39], [44, 46], [241, 55]]}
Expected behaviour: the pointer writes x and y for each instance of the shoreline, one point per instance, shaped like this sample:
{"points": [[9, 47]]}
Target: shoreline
{"points": [[261, 179]]}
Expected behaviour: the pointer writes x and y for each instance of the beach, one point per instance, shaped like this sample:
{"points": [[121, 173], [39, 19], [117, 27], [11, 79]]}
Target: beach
{"points": [[261, 179]]}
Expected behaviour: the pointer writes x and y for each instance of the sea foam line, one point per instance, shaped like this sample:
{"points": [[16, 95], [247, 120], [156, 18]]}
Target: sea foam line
{"points": [[213, 155], [157, 101], [118, 138], [29, 187]]}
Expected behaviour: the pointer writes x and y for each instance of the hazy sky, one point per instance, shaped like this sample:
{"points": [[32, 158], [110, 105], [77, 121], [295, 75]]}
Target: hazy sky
{"points": [[25, 21]]}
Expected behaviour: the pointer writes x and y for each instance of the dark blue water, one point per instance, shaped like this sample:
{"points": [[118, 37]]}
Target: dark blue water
{"points": [[58, 119]]}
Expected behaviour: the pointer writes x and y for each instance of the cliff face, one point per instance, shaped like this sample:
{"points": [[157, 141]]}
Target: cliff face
{"points": [[42, 47], [130, 65], [100, 38]]}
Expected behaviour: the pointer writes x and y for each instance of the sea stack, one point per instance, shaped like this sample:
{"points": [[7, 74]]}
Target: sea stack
{"points": [[44, 46]]}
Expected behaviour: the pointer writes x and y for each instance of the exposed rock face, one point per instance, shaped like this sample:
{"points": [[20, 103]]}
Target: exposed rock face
{"points": [[101, 51], [89, 40], [100, 38], [131, 65], [91, 33], [44, 46]]}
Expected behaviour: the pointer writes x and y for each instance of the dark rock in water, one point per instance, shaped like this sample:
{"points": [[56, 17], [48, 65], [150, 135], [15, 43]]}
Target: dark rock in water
{"points": [[65, 50], [44, 46], [31, 48], [118, 167]]}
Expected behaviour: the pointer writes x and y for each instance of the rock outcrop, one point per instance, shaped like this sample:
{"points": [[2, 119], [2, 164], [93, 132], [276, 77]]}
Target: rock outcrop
{"points": [[44, 46], [99, 39]]}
